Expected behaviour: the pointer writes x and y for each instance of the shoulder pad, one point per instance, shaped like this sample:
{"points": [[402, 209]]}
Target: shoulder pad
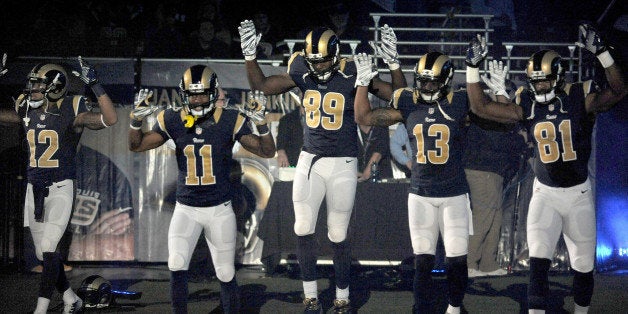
{"points": [[162, 121], [20, 101], [450, 96], [292, 57], [567, 88], [76, 103], [518, 95], [394, 101], [588, 87], [239, 123], [342, 64]]}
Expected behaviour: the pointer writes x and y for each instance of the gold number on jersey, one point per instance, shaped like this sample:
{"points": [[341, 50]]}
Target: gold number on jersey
{"points": [[332, 104], [545, 135], [441, 134], [205, 153], [50, 137]]}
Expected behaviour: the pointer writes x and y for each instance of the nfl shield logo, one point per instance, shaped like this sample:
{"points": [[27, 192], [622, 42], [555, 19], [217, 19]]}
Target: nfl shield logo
{"points": [[199, 131], [431, 111], [551, 107], [42, 117]]}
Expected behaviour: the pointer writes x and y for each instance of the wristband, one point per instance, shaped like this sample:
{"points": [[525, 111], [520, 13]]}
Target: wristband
{"points": [[393, 66], [606, 59], [98, 90], [263, 129], [136, 124], [250, 57], [473, 75]]}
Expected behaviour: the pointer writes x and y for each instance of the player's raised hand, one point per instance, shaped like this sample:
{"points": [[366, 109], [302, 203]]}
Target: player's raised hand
{"points": [[88, 74], [255, 107], [365, 69], [249, 39], [142, 105], [477, 51]]}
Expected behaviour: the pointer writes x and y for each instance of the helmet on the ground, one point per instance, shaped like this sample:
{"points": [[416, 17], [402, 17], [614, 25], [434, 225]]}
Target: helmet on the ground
{"points": [[95, 291]]}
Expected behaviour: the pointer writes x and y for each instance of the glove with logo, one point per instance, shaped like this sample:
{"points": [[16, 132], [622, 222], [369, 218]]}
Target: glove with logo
{"points": [[477, 51], [365, 70], [589, 39], [255, 107], [142, 106], [88, 74], [249, 39]]}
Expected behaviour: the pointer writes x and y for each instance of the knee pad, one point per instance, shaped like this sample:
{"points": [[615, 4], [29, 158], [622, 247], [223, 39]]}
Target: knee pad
{"points": [[582, 264], [337, 235], [225, 273], [304, 224], [457, 246], [176, 261]]}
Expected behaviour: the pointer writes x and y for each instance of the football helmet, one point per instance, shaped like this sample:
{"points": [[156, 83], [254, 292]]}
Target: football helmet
{"points": [[432, 76], [95, 291], [545, 65], [322, 45], [49, 79], [199, 80]]}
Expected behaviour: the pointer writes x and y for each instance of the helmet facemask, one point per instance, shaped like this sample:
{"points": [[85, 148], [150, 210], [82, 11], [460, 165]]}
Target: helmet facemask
{"points": [[322, 45], [545, 66], [432, 76]]}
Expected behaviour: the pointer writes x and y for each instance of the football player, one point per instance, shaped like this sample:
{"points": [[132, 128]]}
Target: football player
{"points": [[438, 201], [559, 118], [204, 133], [54, 124], [327, 164]]}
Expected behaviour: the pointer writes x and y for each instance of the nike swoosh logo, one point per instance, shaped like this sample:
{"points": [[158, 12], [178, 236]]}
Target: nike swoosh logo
{"points": [[584, 191], [348, 161], [61, 185]]}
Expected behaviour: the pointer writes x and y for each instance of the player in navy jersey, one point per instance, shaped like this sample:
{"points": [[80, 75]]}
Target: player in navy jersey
{"points": [[54, 124], [559, 118], [438, 201], [204, 133], [327, 164]]}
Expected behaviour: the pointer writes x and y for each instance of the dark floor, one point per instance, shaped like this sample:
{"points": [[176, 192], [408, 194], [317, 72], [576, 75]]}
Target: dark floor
{"points": [[373, 290]]}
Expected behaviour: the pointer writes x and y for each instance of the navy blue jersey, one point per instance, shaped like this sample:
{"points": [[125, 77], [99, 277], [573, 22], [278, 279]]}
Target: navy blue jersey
{"points": [[437, 138], [329, 115], [52, 139], [204, 153], [561, 131]]}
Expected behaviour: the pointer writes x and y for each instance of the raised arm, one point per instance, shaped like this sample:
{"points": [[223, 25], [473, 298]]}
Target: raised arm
{"points": [[262, 145], [387, 50], [92, 120], [272, 85], [362, 106], [480, 104], [140, 141], [608, 97]]}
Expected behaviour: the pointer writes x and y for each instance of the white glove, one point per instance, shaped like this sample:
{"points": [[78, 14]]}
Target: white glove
{"points": [[248, 39], [255, 107], [497, 80], [3, 69], [365, 69], [142, 107], [387, 50], [88, 74], [477, 51]]}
